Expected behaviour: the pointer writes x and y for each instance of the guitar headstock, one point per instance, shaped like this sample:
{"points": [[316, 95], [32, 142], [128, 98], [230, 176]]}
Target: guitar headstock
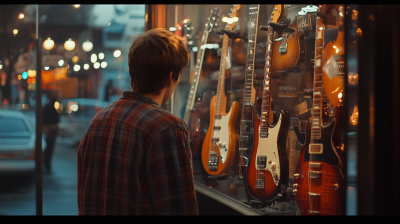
{"points": [[233, 14], [188, 28], [212, 19], [277, 13]]}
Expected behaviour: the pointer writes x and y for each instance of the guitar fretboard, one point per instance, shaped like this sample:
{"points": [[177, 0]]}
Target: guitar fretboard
{"points": [[251, 47], [266, 96], [316, 114], [196, 76]]}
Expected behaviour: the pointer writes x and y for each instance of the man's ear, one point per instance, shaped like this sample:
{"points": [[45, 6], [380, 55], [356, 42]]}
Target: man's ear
{"points": [[169, 80]]}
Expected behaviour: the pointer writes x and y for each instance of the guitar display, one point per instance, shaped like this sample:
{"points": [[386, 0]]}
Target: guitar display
{"points": [[318, 181], [194, 116], [246, 124], [219, 146], [268, 169]]}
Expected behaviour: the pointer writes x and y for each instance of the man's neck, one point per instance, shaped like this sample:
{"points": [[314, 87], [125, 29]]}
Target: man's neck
{"points": [[157, 98]]}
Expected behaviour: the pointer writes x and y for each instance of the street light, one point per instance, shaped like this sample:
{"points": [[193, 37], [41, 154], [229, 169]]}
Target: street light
{"points": [[48, 44], [15, 31], [117, 53], [101, 56], [93, 58], [21, 16], [87, 46], [69, 45], [77, 5], [61, 63], [103, 64], [77, 67], [96, 65], [86, 66]]}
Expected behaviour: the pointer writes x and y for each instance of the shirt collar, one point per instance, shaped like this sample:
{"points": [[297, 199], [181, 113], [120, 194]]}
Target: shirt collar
{"points": [[129, 95]]}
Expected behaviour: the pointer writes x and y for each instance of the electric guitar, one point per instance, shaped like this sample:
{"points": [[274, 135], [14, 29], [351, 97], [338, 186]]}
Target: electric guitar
{"points": [[333, 79], [194, 113], [318, 181], [219, 146], [268, 169], [286, 46], [246, 124]]}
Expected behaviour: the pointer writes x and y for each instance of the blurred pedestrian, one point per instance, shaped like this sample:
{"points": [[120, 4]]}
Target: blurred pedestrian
{"points": [[50, 120]]}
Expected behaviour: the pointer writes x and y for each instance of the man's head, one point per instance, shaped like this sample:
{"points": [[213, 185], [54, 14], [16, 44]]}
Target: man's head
{"points": [[152, 57]]}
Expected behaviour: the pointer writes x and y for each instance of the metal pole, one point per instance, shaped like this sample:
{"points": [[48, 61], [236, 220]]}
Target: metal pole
{"points": [[38, 145]]}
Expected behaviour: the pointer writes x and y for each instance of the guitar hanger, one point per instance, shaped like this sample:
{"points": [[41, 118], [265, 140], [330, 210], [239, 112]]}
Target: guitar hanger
{"points": [[232, 34]]}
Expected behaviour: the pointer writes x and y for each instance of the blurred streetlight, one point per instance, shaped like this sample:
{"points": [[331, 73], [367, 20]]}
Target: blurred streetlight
{"points": [[1, 66], [24, 75], [48, 44], [46, 68], [101, 56], [69, 45], [77, 67], [21, 16], [96, 65], [75, 59], [87, 46], [117, 53], [103, 64], [93, 58], [15, 31], [86, 66], [61, 62], [77, 5]]}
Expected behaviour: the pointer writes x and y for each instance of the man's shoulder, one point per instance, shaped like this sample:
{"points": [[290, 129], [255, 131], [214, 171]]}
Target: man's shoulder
{"points": [[139, 115]]}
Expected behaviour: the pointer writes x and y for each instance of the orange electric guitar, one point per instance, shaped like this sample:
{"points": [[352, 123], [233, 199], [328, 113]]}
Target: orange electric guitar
{"points": [[286, 46], [219, 146], [318, 182], [333, 63], [268, 168]]}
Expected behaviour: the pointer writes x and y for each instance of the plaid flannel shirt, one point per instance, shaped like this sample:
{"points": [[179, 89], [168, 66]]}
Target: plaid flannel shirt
{"points": [[135, 158]]}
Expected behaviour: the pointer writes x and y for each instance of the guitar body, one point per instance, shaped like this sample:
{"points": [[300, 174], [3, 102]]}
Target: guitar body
{"points": [[329, 183], [226, 134], [198, 123], [289, 59], [335, 85], [274, 148]]}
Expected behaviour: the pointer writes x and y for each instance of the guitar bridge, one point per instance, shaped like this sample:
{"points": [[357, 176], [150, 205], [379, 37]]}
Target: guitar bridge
{"points": [[260, 182], [283, 48], [213, 160], [261, 162]]}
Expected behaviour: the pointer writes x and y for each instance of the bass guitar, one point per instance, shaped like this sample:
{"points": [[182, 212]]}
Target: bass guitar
{"points": [[268, 169], [194, 113], [246, 124], [219, 146], [318, 181]]}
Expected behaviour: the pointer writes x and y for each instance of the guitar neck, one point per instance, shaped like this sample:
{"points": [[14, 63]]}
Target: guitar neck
{"points": [[316, 114], [221, 77], [266, 93], [249, 91], [199, 63]]}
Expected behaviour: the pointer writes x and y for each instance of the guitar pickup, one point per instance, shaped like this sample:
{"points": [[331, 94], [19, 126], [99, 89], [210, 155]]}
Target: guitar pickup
{"points": [[261, 162], [215, 140], [260, 182], [283, 48], [217, 116], [217, 128], [314, 174]]}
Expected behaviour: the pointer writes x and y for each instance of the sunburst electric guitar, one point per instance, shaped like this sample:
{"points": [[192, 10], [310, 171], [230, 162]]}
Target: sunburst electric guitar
{"points": [[219, 146], [268, 169], [194, 109], [318, 180]]}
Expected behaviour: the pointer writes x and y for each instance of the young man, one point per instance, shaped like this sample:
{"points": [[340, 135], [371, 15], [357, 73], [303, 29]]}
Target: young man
{"points": [[135, 158]]}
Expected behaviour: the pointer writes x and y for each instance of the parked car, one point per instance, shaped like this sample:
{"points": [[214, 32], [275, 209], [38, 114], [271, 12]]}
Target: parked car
{"points": [[17, 143]]}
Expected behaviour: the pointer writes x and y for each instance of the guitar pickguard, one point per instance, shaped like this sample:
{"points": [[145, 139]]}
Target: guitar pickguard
{"points": [[222, 134]]}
